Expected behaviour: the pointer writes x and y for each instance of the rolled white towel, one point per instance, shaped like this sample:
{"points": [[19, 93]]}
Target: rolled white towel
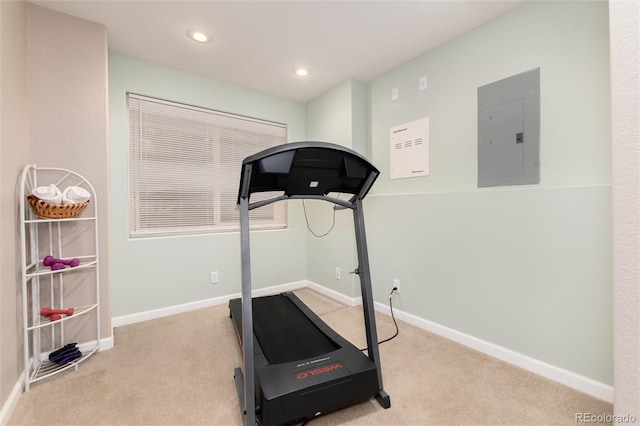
{"points": [[75, 195], [49, 194]]}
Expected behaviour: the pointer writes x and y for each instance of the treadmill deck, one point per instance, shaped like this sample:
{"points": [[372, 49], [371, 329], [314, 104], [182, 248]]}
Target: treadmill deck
{"points": [[303, 368]]}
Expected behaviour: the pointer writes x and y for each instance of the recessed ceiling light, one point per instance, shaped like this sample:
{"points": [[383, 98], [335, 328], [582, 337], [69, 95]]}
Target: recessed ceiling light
{"points": [[301, 72], [199, 36]]}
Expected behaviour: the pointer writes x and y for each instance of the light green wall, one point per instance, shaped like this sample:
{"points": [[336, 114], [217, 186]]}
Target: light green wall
{"points": [[527, 268], [340, 116], [328, 116], [360, 118], [153, 273], [567, 40]]}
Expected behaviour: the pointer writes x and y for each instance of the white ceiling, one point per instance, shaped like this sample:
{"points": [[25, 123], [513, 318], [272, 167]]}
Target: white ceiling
{"points": [[257, 44]]}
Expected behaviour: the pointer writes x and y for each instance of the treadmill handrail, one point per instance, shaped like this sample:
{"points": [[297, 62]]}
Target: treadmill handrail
{"points": [[348, 204]]}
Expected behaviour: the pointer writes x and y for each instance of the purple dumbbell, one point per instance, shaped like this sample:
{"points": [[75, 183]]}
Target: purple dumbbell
{"points": [[56, 264]]}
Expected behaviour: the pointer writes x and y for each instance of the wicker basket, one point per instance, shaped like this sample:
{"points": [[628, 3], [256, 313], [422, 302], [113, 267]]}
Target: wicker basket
{"points": [[55, 211]]}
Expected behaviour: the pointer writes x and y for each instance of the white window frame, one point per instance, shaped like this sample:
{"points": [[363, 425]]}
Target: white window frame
{"points": [[184, 168]]}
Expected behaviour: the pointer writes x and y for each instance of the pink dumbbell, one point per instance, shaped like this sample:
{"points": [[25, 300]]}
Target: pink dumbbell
{"points": [[56, 264], [48, 312]]}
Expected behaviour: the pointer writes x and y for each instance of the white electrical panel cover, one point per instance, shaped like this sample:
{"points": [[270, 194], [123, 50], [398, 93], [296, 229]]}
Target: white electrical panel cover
{"points": [[409, 155]]}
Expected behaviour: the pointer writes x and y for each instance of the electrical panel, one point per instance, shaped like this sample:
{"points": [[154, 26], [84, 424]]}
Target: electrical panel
{"points": [[509, 131]]}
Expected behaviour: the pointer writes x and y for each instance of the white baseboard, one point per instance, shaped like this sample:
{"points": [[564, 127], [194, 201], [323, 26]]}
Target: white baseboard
{"points": [[191, 306], [106, 343], [12, 401], [549, 371], [335, 295]]}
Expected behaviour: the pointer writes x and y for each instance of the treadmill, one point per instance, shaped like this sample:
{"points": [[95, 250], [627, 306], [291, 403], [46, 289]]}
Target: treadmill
{"points": [[295, 366]]}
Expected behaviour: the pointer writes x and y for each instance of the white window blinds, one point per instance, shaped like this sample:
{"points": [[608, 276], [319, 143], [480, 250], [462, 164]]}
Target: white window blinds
{"points": [[184, 168]]}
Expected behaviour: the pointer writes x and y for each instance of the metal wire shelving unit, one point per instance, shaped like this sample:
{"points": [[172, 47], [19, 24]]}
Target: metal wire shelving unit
{"points": [[75, 237]]}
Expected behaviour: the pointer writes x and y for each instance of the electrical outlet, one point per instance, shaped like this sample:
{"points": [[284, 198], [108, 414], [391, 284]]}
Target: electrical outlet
{"points": [[338, 274], [394, 94], [396, 285], [423, 83], [214, 277]]}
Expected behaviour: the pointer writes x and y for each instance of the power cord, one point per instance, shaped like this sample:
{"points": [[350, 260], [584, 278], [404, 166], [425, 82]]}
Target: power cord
{"points": [[309, 226], [392, 317]]}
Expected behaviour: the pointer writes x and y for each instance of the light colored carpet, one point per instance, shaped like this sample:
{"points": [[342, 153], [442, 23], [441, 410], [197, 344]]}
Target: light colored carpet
{"points": [[178, 370]]}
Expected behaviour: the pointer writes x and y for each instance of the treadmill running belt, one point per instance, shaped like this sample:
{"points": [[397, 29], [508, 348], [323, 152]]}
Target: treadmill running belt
{"points": [[284, 333]]}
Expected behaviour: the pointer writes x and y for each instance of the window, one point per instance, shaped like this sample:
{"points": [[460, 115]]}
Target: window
{"points": [[184, 168]]}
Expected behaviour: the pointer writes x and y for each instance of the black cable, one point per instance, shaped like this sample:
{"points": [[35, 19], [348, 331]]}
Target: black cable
{"points": [[392, 317], [309, 226]]}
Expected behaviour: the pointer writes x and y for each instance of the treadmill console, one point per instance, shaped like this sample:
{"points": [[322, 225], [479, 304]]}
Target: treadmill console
{"points": [[307, 169]]}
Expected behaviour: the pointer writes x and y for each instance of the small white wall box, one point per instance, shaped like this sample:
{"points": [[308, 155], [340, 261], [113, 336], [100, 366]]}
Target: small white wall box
{"points": [[509, 131], [409, 155]]}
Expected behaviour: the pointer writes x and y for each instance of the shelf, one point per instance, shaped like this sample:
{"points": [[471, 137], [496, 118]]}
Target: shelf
{"points": [[71, 219], [77, 312], [40, 270], [47, 368]]}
